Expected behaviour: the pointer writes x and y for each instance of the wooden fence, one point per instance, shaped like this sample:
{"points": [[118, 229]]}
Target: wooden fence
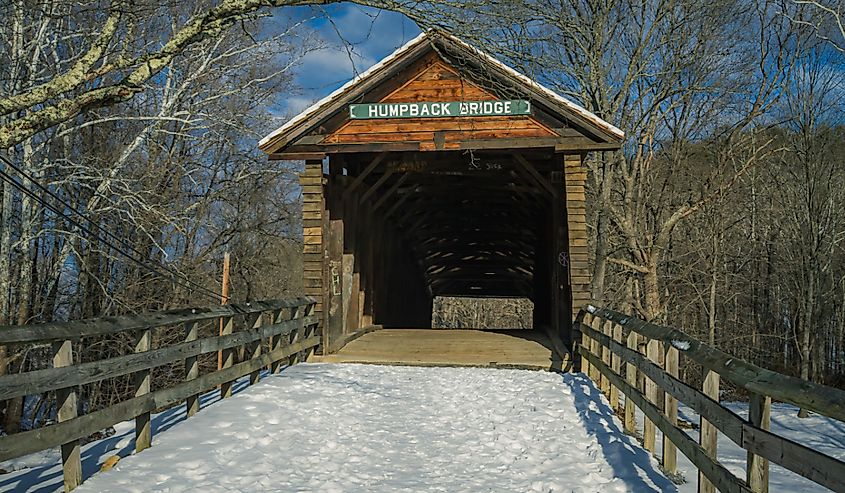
{"points": [[649, 381], [265, 333]]}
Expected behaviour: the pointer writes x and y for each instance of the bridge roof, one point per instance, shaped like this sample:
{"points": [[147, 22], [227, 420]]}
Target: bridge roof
{"points": [[483, 68]]}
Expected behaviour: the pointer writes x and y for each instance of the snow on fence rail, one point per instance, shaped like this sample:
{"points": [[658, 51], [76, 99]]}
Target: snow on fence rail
{"points": [[288, 327], [608, 338]]}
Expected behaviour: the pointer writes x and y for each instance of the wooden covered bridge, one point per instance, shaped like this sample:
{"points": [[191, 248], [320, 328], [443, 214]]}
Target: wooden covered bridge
{"points": [[438, 172]]}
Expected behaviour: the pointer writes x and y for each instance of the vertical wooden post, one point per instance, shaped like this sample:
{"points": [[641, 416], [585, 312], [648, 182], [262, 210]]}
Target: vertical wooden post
{"points": [[66, 409], [224, 299], [616, 366], [586, 343], [631, 379], [757, 469], [649, 430], [333, 330], [276, 341], [296, 313], [575, 178], [708, 438], [228, 356], [192, 370], [314, 224], [258, 345], [310, 330], [605, 328], [670, 409], [143, 432]]}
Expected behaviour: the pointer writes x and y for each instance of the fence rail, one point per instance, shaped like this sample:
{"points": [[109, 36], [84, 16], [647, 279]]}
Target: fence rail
{"points": [[273, 331], [649, 382]]}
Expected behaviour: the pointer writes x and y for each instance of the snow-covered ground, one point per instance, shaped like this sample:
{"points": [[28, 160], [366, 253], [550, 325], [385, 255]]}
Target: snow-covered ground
{"points": [[330, 427], [325, 427]]}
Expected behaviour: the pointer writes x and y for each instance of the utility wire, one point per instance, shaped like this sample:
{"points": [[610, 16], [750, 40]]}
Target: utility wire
{"points": [[173, 275]]}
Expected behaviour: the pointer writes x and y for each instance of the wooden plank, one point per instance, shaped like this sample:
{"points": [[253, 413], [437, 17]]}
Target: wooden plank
{"points": [[708, 432], [192, 370], [228, 327], [809, 463], [255, 375], [70, 430], [649, 430], [630, 377], [66, 409], [143, 432], [277, 317], [757, 468], [372, 189], [107, 325], [718, 474], [615, 365], [48, 379], [814, 397], [670, 409], [729, 423], [535, 175], [390, 191], [364, 174], [814, 465], [605, 328]]}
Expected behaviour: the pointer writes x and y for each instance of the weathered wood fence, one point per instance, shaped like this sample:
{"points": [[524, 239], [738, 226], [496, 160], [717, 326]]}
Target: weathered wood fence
{"points": [[266, 334], [649, 381]]}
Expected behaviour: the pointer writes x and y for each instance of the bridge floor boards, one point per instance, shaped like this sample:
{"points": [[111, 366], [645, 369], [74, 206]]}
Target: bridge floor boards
{"points": [[530, 349]]}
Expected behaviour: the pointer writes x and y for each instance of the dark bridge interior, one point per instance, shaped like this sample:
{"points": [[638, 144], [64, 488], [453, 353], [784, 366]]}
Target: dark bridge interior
{"points": [[453, 223]]}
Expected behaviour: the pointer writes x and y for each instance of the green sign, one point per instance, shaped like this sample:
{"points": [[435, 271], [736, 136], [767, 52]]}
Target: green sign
{"points": [[366, 111]]}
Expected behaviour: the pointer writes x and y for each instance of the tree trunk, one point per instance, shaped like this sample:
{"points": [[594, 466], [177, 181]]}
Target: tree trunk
{"points": [[806, 331]]}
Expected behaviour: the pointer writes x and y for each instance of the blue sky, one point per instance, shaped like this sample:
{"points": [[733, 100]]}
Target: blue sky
{"points": [[354, 38]]}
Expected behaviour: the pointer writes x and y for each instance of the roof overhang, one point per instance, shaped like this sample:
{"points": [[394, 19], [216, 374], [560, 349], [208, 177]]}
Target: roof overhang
{"points": [[295, 133]]}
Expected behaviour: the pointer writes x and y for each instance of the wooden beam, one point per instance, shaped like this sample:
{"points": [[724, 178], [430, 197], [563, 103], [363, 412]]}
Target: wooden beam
{"points": [[534, 174], [375, 186], [390, 191], [297, 156], [361, 177]]}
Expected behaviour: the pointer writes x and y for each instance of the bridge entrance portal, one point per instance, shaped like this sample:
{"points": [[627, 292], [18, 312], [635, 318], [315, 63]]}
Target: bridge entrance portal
{"points": [[441, 172]]}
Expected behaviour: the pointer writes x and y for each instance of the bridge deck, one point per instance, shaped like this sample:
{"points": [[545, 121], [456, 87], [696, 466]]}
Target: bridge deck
{"points": [[529, 349], [348, 428]]}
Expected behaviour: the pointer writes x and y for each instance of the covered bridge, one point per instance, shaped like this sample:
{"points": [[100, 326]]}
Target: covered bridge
{"points": [[440, 171]]}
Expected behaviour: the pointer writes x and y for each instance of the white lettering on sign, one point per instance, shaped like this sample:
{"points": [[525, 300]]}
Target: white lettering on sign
{"points": [[439, 109]]}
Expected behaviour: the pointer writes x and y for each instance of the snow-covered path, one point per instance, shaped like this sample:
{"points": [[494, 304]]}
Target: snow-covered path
{"points": [[330, 427]]}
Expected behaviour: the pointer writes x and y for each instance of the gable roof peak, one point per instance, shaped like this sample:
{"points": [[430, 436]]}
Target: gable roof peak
{"points": [[297, 125]]}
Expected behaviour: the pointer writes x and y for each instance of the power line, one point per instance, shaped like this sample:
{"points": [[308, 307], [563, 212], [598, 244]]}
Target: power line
{"points": [[173, 275]]}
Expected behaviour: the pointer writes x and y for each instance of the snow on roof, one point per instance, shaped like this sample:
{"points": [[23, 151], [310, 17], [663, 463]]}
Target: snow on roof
{"points": [[580, 110], [410, 45], [342, 89]]}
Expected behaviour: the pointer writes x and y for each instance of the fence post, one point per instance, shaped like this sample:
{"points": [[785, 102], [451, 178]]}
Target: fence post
{"points": [[757, 470], [276, 341], [708, 433], [616, 366], [585, 343], [631, 378], [670, 452], [255, 376], [228, 356], [296, 313], [310, 330], [649, 430], [143, 432], [192, 370], [66, 409], [604, 327], [595, 348]]}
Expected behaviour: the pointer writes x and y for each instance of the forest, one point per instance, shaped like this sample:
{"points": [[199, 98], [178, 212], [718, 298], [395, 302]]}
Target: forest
{"points": [[129, 162]]}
